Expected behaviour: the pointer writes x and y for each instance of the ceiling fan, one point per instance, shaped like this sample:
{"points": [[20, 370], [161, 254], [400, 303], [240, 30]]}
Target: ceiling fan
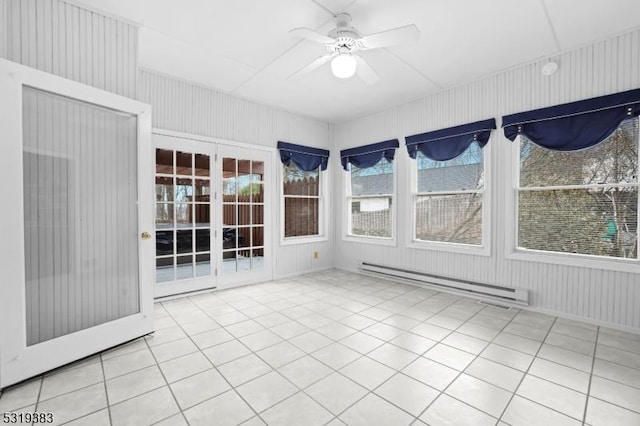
{"points": [[344, 42]]}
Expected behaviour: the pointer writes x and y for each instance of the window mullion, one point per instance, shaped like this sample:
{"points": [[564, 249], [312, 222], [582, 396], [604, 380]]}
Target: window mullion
{"points": [[570, 187]]}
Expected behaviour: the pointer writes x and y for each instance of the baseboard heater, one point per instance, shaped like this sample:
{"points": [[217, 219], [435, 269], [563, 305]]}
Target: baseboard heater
{"points": [[469, 288]]}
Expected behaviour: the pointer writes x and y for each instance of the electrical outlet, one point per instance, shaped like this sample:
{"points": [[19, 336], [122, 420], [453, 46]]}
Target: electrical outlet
{"points": [[316, 254]]}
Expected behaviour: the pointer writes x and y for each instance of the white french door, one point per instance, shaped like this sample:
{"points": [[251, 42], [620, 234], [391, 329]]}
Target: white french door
{"points": [[245, 223], [213, 214], [77, 258], [184, 227]]}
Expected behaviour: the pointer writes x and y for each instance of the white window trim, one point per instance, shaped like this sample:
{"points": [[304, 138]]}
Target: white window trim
{"points": [[346, 216], [323, 211], [513, 252], [483, 249]]}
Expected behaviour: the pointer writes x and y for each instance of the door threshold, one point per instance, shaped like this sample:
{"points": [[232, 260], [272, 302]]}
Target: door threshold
{"points": [[186, 293]]}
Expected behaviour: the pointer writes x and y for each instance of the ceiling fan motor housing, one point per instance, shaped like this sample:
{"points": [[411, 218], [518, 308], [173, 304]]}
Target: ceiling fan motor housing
{"points": [[347, 38]]}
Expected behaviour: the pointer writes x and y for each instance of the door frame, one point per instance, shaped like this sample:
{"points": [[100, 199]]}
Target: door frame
{"points": [[270, 212], [17, 360]]}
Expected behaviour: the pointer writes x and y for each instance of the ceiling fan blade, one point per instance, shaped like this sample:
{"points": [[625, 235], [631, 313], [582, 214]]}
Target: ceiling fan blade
{"points": [[402, 35], [310, 67], [365, 72], [311, 35]]}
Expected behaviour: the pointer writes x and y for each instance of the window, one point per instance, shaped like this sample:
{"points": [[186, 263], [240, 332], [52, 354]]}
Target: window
{"points": [[303, 193], [370, 200], [582, 201], [302, 201], [448, 201]]}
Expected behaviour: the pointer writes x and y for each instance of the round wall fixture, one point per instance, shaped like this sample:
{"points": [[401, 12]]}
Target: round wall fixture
{"points": [[549, 68]]}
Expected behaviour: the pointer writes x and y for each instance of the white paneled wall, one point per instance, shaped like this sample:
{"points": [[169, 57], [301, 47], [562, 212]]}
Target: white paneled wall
{"points": [[4, 30], [185, 107], [66, 40], [600, 294], [188, 108]]}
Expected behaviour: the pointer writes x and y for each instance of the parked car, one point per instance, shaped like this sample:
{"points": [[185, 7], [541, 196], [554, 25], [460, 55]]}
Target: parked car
{"points": [[229, 242]]}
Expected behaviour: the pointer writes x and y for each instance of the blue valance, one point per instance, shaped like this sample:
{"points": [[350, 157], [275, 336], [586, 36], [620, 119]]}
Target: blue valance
{"points": [[305, 157], [369, 155], [576, 125], [445, 144]]}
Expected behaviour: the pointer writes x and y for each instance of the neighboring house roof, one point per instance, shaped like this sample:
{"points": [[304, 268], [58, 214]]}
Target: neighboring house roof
{"points": [[372, 184], [452, 178]]}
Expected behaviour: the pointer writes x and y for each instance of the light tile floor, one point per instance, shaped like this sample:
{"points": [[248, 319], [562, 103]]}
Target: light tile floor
{"points": [[340, 348]]}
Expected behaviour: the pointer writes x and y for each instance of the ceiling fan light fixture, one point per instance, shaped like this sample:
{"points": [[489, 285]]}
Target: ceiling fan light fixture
{"points": [[343, 65]]}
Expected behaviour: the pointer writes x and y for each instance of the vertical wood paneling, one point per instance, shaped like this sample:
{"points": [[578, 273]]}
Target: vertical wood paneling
{"points": [[66, 40], [606, 67], [188, 108], [4, 28]]}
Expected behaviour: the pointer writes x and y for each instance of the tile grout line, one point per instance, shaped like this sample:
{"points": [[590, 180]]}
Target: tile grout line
{"points": [[316, 290], [385, 341], [524, 376], [443, 391], [301, 390], [106, 393], [369, 392], [232, 388], [362, 355], [167, 384], [306, 354], [39, 394], [593, 363], [451, 331]]}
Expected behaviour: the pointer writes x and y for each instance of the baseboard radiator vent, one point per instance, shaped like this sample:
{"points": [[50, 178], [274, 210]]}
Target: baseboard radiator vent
{"points": [[458, 286]]}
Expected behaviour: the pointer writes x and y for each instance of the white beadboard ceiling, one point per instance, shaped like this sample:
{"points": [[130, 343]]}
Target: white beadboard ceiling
{"points": [[242, 47]]}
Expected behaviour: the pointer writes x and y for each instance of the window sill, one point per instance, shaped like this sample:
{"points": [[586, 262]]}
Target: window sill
{"points": [[577, 260], [381, 241], [482, 250], [290, 241]]}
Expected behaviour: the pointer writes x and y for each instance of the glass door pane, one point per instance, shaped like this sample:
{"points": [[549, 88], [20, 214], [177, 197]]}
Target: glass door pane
{"points": [[80, 165], [242, 215], [183, 217]]}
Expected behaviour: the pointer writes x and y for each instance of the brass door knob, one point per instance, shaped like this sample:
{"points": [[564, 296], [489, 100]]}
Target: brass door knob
{"points": [[145, 235]]}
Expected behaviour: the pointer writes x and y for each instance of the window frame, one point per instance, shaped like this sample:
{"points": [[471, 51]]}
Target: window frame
{"points": [[348, 198], [514, 252], [323, 212], [483, 249]]}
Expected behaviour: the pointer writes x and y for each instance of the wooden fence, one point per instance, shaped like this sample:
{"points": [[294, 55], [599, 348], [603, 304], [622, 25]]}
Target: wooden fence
{"points": [[456, 219], [375, 224], [302, 211], [437, 218], [250, 212]]}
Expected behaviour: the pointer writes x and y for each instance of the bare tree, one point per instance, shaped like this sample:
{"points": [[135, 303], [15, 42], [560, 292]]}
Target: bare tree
{"points": [[600, 221]]}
